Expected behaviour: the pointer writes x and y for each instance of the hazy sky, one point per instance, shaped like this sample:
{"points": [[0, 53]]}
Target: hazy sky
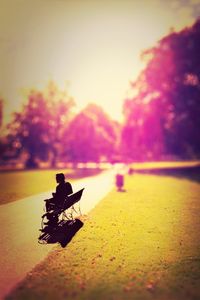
{"points": [[94, 46]]}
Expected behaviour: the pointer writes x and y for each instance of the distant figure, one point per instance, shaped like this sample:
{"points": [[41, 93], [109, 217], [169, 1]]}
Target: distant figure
{"points": [[119, 182], [130, 171], [63, 189]]}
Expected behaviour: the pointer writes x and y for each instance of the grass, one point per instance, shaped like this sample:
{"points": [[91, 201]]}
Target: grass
{"points": [[139, 244], [165, 165], [20, 184]]}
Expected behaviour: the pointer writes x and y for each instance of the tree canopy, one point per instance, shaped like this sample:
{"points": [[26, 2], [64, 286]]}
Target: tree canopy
{"points": [[161, 118], [91, 136], [163, 115], [37, 129], [47, 130]]}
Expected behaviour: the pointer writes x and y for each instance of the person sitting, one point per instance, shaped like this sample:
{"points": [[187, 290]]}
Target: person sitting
{"points": [[63, 189]]}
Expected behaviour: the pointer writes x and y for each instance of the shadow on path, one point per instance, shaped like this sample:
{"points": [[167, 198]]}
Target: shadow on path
{"points": [[62, 233]]}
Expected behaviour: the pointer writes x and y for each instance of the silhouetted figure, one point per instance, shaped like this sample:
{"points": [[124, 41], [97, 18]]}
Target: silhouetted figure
{"points": [[63, 189], [57, 225]]}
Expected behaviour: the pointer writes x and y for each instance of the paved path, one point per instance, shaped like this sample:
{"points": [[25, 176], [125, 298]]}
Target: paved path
{"points": [[20, 221]]}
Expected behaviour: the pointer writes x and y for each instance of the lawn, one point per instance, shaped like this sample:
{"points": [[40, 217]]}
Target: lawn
{"points": [[20, 184], [139, 244]]}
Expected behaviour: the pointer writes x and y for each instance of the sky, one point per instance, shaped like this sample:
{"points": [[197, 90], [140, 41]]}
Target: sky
{"points": [[90, 47]]}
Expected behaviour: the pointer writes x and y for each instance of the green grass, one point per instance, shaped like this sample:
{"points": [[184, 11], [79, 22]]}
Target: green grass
{"points": [[19, 184], [140, 244]]}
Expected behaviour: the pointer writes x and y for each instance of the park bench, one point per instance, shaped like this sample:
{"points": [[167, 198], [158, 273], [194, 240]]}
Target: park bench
{"points": [[56, 218]]}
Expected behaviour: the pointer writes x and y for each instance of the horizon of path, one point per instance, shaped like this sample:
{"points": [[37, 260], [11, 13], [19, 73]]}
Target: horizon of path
{"points": [[20, 222]]}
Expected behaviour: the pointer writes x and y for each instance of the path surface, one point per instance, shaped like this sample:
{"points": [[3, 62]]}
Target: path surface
{"points": [[20, 221]]}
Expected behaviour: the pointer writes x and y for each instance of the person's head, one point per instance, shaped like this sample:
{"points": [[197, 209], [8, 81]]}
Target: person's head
{"points": [[60, 177]]}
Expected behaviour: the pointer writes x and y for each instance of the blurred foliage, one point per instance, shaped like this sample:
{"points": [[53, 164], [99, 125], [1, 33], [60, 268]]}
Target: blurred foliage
{"points": [[163, 115], [47, 130], [37, 129], [91, 136]]}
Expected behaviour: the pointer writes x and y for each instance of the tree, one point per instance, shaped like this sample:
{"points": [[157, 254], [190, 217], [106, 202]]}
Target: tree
{"points": [[167, 94], [61, 105], [91, 136], [36, 129], [141, 135]]}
